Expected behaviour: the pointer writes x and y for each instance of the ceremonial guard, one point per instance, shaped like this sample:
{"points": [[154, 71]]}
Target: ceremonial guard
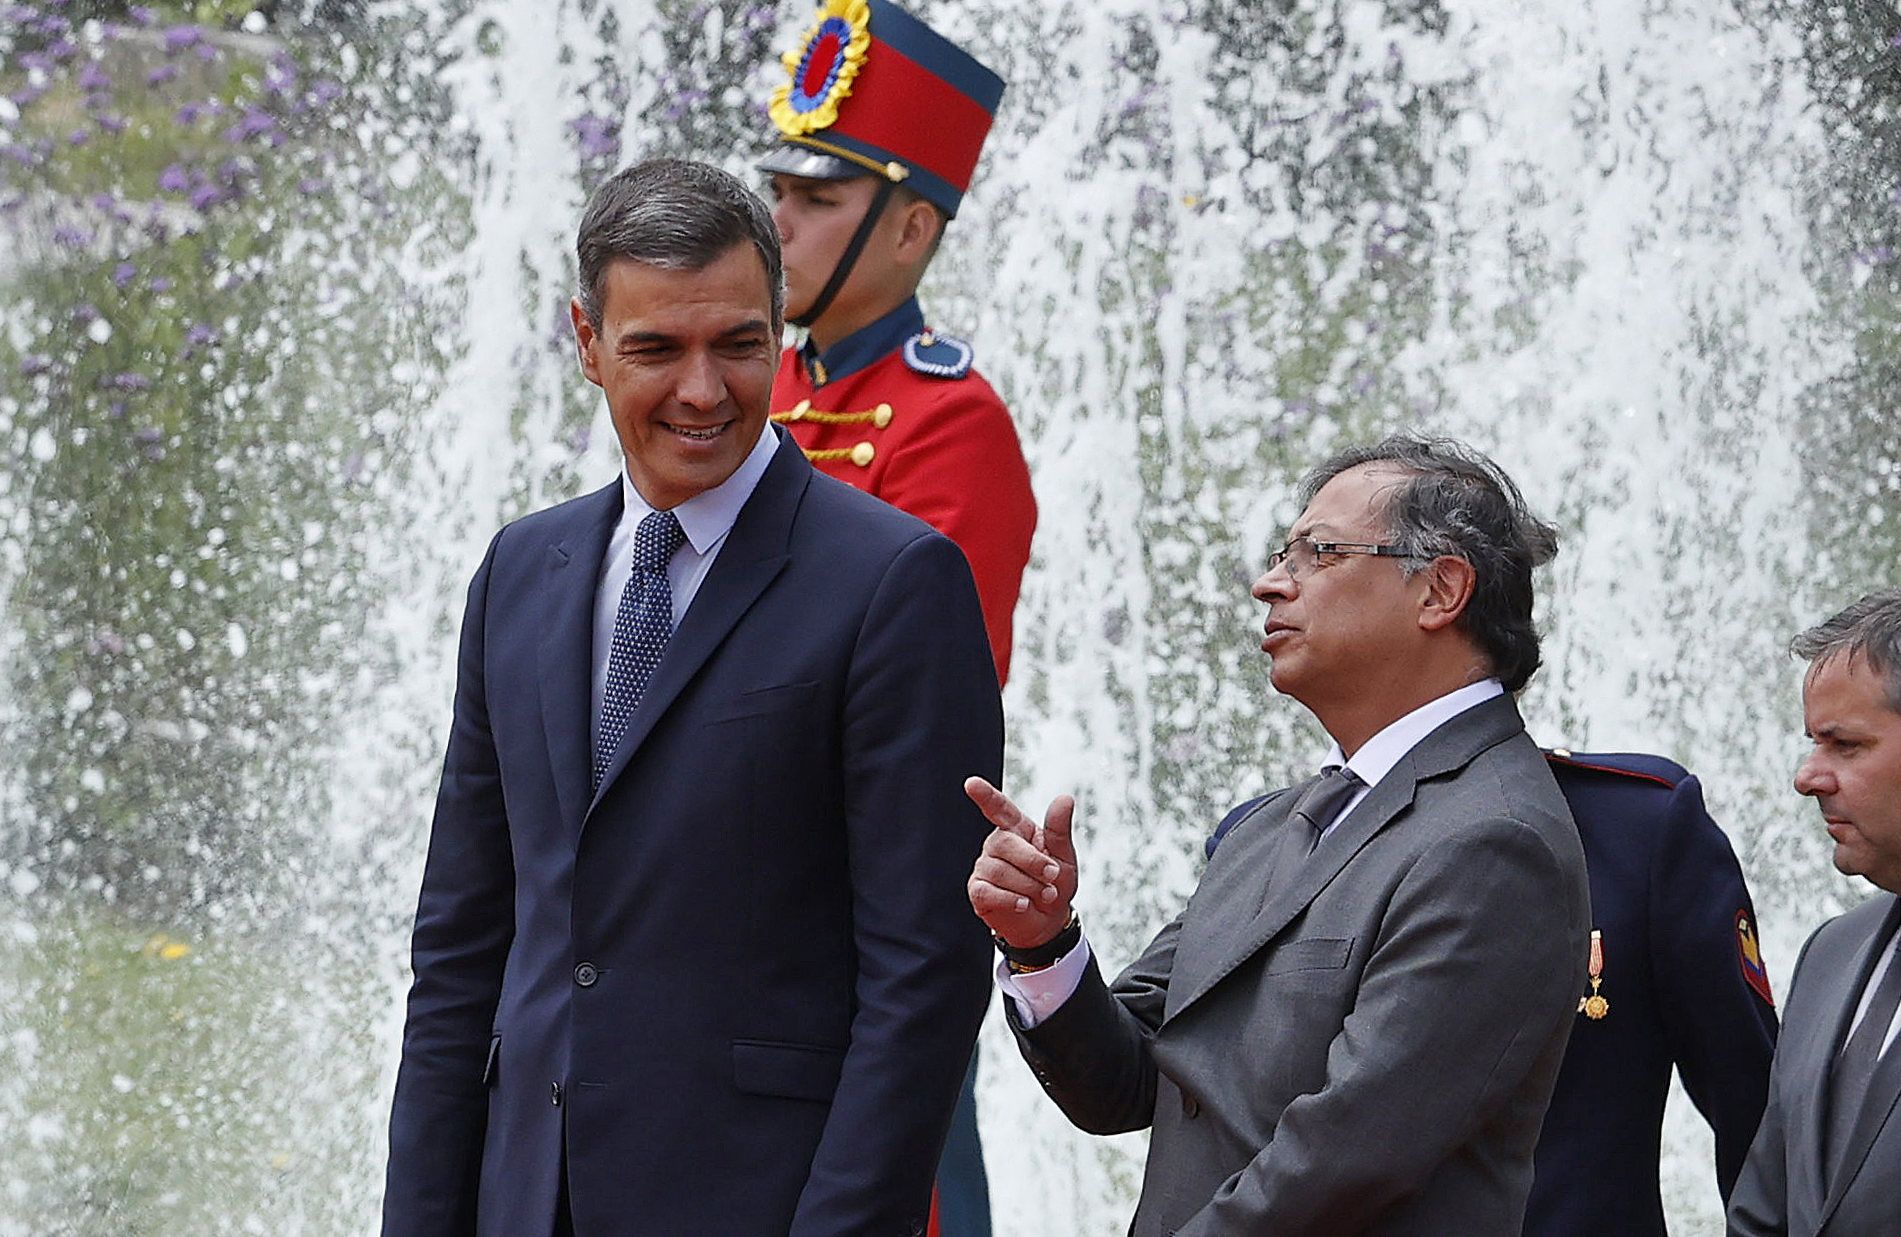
{"points": [[880, 123], [1676, 980]]}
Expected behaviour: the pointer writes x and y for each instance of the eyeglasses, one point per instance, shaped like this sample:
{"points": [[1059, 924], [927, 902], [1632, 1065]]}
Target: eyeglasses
{"points": [[1302, 554]]}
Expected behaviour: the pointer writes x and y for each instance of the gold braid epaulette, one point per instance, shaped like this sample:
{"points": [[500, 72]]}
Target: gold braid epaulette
{"points": [[862, 454], [803, 411]]}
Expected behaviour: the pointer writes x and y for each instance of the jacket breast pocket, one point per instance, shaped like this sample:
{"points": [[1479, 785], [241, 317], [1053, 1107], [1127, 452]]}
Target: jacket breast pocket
{"points": [[795, 1071], [1310, 953], [767, 701]]}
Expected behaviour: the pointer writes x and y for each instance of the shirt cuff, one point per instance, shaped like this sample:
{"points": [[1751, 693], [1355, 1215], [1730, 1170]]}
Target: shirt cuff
{"points": [[1038, 994]]}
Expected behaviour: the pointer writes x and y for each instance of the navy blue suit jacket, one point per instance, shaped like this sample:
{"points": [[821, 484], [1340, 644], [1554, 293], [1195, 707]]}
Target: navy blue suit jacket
{"points": [[1667, 894], [741, 981]]}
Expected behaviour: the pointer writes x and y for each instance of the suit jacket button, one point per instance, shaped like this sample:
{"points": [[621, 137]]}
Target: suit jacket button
{"points": [[557, 1095], [585, 974], [1191, 1107]]}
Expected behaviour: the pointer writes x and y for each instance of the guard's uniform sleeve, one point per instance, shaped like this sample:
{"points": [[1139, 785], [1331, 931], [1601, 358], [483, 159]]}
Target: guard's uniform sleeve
{"points": [[962, 471], [1713, 996]]}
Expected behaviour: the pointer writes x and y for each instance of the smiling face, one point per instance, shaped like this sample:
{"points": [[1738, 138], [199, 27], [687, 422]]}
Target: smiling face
{"points": [[686, 360], [1853, 770]]}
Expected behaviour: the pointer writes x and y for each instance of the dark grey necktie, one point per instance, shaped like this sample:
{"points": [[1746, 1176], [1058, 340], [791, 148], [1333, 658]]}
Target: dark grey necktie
{"points": [[1855, 1068], [1324, 799], [642, 626]]}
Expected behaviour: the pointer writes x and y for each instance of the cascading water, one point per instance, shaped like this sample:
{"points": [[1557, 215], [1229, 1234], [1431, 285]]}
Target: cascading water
{"points": [[285, 339]]}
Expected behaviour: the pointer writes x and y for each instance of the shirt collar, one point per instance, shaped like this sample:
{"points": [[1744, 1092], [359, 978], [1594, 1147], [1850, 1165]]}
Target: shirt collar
{"points": [[862, 346], [709, 515], [1379, 754]]}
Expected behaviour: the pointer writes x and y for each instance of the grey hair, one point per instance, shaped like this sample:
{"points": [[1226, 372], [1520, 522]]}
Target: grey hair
{"points": [[1455, 501], [675, 215], [1870, 629]]}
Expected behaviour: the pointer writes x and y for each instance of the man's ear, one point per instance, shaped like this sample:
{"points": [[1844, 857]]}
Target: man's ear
{"points": [[1448, 581], [918, 228], [585, 339]]}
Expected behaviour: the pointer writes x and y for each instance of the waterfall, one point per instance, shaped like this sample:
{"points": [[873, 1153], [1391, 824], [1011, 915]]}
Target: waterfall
{"points": [[1641, 252]]}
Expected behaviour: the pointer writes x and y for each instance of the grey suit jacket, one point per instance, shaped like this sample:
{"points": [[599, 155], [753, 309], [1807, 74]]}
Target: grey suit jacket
{"points": [[1362, 1040], [1784, 1188]]}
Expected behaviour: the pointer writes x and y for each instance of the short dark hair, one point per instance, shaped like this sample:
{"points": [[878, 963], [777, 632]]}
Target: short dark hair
{"points": [[1457, 502], [1870, 629], [675, 215]]}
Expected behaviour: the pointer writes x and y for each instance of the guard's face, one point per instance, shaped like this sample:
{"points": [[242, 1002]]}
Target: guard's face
{"points": [[1853, 770], [816, 220], [686, 359], [1345, 624]]}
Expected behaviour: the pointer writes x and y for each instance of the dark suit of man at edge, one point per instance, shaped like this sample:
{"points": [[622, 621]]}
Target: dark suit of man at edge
{"points": [[692, 952], [1355, 1024], [1827, 1160]]}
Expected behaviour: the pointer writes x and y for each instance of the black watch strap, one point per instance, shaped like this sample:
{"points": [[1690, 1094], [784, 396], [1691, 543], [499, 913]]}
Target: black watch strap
{"points": [[1039, 956]]}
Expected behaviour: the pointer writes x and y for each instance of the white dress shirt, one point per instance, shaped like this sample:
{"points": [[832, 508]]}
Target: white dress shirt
{"points": [[706, 519], [1868, 994], [1039, 994]]}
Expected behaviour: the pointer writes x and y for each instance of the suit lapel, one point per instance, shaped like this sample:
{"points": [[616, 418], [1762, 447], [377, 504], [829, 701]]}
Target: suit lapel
{"points": [[566, 676], [1296, 885], [1883, 1089], [754, 554]]}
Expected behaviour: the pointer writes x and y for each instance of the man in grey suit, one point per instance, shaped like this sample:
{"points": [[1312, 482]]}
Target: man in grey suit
{"points": [[1827, 1158], [1355, 1024]]}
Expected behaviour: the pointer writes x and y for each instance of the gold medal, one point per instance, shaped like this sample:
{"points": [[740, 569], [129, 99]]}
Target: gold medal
{"points": [[1595, 1006]]}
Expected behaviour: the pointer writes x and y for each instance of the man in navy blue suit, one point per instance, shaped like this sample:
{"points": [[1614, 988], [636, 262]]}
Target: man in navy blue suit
{"points": [[691, 954]]}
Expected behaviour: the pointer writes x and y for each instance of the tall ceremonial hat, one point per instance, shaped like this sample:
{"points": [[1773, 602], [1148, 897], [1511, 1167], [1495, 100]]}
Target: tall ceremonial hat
{"points": [[872, 90]]}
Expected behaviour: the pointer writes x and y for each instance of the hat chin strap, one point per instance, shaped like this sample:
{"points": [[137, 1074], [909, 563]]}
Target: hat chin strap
{"points": [[849, 258]]}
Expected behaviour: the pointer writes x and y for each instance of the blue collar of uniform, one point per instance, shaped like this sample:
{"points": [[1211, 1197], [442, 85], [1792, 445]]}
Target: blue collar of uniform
{"points": [[862, 346]]}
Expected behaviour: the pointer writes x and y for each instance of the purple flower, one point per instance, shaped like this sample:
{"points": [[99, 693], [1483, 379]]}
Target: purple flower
{"points": [[95, 77], [141, 15], [103, 201], [326, 91], [36, 62], [206, 196], [198, 335], [596, 136], [108, 642], [69, 237], [64, 49], [27, 95], [234, 171], [35, 363], [123, 274], [130, 380], [159, 76], [17, 153], [174, 179], [310, 186], [85, 312], [207, 52], [110, 124], [79, 137], [255, 122], [189, 114], [148, 434], [160, 284], [20, 14], [179, 38]]}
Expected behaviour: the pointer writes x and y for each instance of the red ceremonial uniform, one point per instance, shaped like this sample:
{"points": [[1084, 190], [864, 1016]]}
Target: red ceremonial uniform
{"points": [[896, 411]]}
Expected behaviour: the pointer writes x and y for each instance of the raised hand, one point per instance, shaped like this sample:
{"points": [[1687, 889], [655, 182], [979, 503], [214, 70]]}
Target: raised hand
{"points": [[1025, 879]]}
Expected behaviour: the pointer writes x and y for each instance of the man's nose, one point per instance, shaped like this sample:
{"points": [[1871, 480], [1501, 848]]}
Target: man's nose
{"points": [[1275, 583], [1812, 777], [700, 385], [781, 219]]}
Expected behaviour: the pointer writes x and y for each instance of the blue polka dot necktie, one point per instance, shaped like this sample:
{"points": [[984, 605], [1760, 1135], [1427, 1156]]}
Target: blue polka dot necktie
{"points": [[642, 626]]}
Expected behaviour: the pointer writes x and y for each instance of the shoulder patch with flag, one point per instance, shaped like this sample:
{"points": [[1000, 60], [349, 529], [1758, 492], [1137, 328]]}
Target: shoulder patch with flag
{"points": [[1755, 974]]}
